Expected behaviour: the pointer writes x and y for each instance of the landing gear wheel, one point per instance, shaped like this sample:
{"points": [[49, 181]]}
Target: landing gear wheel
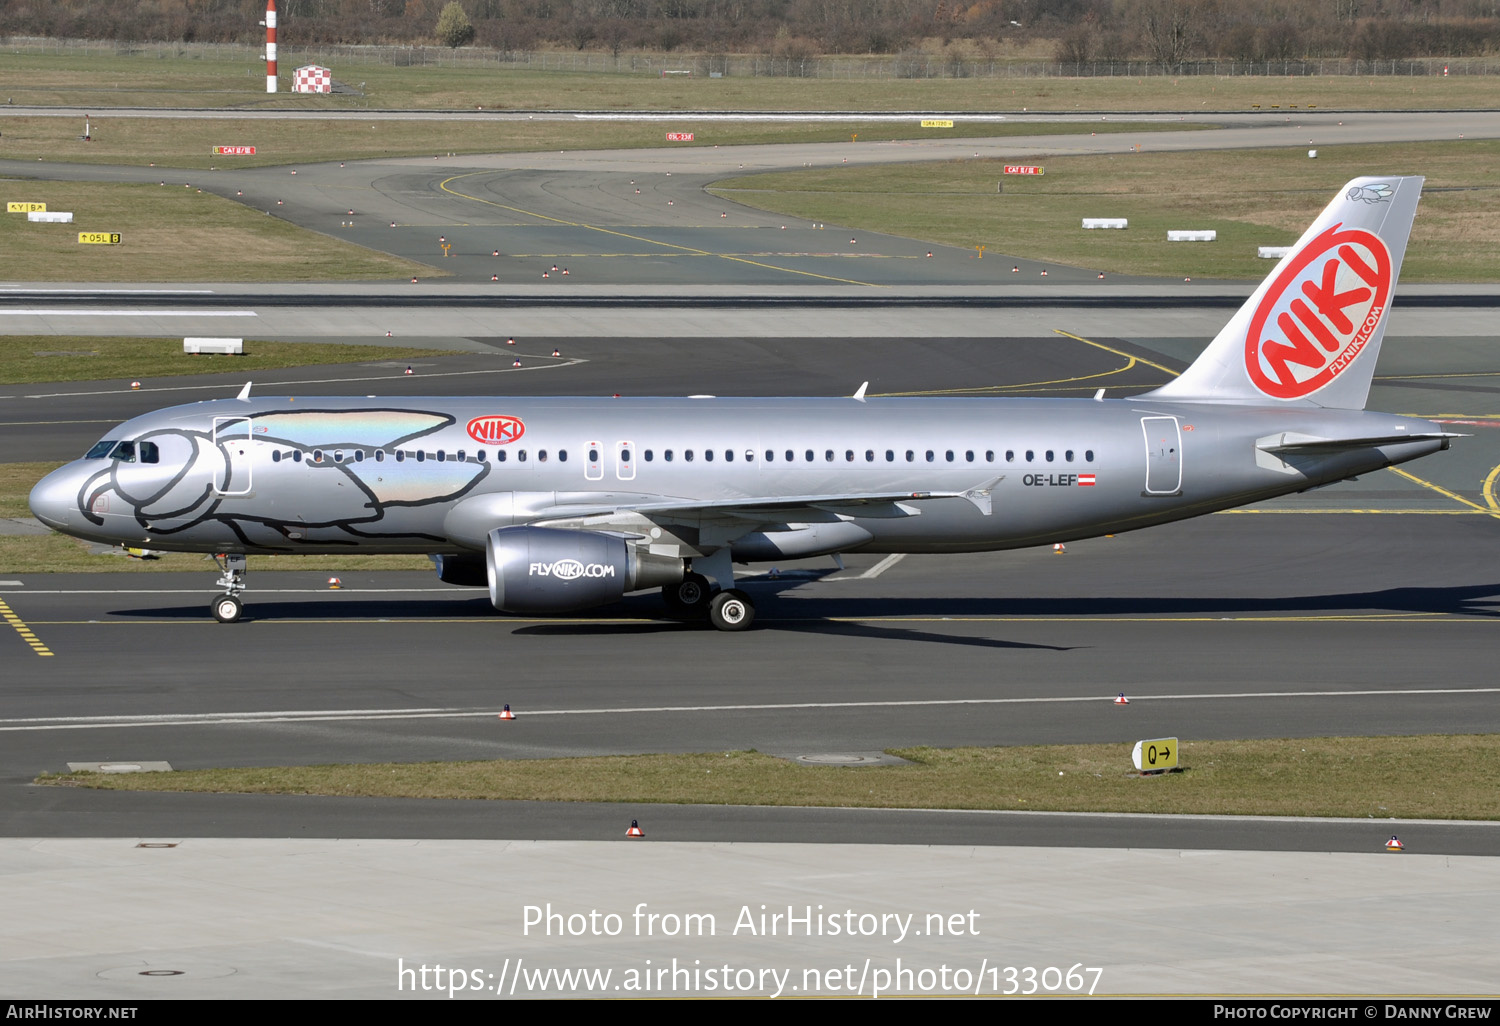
{"points": [[731, 610], [227, 608], [689, 596]]}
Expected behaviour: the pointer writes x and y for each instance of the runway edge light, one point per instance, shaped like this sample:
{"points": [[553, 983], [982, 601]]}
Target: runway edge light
{"points": [[506, 714], [635, 830]]}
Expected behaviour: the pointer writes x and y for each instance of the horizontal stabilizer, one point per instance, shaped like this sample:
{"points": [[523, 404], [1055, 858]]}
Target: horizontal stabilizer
{"points": [[1293, 441]]}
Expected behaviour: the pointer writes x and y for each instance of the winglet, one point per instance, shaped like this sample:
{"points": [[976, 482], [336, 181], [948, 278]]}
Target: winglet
{"points": [[245, 392], [860, 395]]}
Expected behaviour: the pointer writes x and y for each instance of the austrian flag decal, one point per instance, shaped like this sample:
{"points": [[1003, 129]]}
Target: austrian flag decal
{"points": [[1087, 480], [1319, 312]]}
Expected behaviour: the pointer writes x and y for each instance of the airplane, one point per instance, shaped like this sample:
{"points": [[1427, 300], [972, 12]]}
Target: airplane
{"points": [[563, 504]]}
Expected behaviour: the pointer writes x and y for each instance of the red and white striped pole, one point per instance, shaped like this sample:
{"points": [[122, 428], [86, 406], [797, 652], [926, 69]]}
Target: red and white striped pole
{"points": [[270, 46]]}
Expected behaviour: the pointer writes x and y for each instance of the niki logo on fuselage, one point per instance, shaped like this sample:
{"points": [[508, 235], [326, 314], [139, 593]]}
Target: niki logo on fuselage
{"points": [[496, 429], [1326, 304]]}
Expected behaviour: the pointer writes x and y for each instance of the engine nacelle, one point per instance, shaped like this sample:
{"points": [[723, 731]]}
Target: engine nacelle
{"points": [[546, 570]]}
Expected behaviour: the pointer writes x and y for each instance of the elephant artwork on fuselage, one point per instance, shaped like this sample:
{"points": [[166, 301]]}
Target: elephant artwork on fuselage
{"points": [[169, 479]]}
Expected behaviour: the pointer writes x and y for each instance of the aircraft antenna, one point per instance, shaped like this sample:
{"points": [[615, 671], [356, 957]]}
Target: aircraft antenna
{"points": [[860, 395], [245, 392]]}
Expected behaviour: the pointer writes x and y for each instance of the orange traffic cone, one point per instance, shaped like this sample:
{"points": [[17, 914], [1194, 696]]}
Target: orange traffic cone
{"points": [[557, 352], [1059, 549], [1394, 844], [408, 368], [635, 830], [1015, 270], [516, 364], [506, 714], [135, 384], [334, 583], [1122, 700]]}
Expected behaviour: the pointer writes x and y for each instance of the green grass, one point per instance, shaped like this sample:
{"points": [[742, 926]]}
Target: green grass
{"points": [[175, 233], [1251, 197], [1438, 777], [151, 80], [189, 142], [29, 359]]}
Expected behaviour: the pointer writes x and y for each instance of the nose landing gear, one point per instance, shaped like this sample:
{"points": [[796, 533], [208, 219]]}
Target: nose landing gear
{"points": [[227, 608]]}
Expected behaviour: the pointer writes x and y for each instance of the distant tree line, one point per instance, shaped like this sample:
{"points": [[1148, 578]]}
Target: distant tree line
{"points": [[1074, 31]]}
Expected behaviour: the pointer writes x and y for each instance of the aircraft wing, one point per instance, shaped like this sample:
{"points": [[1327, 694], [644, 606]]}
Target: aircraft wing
{"points": [[780, 508]]}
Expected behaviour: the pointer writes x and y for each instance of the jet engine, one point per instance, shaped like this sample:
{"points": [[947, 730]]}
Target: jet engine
{"points": [[467, 569], [547, 570]]}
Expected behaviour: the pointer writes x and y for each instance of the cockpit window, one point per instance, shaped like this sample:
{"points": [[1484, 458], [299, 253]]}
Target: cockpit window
{"points": [[124, 452]]}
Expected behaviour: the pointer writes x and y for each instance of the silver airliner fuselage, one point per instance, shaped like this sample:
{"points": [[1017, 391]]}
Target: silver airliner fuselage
{"points": [[568, 503], [329, 475]]}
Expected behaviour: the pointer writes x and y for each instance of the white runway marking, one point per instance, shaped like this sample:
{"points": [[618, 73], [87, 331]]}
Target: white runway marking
{"points": [[874, 571], [43, 312], [355, 715], [12, 291], [271, 386]]}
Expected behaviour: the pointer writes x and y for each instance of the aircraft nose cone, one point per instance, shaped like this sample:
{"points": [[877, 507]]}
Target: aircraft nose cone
{"points": [[54, 500]]}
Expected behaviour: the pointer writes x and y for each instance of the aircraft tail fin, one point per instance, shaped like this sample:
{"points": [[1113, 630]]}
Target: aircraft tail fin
{"points": [[1312, 331]]}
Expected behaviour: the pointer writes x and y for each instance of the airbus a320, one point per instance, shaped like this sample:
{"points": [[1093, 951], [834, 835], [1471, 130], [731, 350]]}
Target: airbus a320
{"points": [[563, 504]]}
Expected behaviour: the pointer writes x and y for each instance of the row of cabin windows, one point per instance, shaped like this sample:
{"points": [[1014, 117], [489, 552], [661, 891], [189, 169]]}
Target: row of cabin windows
{"points": [[669, 455], [850, 456], [401, 456]]}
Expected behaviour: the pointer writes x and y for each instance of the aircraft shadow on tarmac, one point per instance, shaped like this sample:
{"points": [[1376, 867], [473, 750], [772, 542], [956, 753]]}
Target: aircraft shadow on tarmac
{"points": [[832, 615]]}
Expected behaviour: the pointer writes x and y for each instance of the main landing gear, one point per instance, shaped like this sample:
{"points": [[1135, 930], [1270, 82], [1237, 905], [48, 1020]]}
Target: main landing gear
{"points": [[227, 608], [695, 596]]}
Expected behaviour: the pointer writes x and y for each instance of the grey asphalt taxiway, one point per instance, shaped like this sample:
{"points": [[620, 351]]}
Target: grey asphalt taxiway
{"points": [[1368, 608]]}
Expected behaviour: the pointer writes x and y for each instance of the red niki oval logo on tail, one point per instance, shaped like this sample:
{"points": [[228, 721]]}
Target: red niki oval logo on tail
{"points": [[497, 429], [1319, 313]]}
